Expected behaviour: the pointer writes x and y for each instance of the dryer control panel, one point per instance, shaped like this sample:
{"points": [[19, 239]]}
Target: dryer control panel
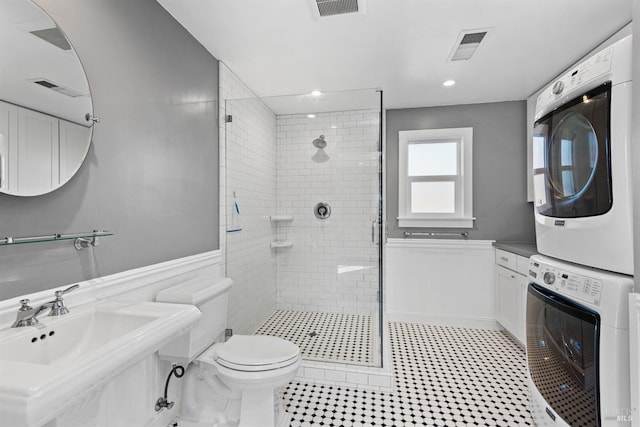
{"points": [[578, 76], [566, 283]]}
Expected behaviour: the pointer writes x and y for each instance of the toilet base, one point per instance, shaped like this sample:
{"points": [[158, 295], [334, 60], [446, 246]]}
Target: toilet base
{"points": [[263, 408], [207, 402]]}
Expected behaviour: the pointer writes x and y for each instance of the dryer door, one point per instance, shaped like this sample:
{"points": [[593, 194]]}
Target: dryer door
{"points": [[572, 168]]}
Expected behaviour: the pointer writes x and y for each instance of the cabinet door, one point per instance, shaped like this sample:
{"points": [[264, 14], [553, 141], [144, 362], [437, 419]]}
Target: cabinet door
{"points": [[8, 145], [38, 150], [634, 347], [507, 299], [73, 148], [523, 284]]}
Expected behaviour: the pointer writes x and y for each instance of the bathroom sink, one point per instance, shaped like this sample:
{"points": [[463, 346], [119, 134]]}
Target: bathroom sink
{"points": [[46, 368]]}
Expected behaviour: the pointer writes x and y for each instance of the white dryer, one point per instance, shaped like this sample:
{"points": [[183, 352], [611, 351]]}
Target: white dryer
{"points": [[577, 344], [581, 166]]}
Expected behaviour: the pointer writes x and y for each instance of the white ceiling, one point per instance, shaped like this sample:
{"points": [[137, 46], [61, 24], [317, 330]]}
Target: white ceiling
{"points": [[26, 58], [281, 47]]}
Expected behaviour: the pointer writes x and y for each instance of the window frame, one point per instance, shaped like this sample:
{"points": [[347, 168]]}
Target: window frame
{"points": [[463, 181]]}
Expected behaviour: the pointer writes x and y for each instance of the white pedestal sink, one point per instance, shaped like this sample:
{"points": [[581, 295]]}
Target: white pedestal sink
{"points": [[46, 368]]}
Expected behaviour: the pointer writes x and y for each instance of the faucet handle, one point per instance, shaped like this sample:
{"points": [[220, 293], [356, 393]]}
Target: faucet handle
{"points": [[58, 307], [59, 294], [25, 305]]}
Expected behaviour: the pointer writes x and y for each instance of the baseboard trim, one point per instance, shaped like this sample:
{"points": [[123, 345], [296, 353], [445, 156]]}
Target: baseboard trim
{"points": [[440, 320]]}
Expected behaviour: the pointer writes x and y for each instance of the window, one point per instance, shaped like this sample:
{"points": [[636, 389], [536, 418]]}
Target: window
{"points": [[435, 178]]}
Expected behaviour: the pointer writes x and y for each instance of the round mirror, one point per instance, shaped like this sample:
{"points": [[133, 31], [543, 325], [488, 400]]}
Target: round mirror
{"points": [[45, 104]]}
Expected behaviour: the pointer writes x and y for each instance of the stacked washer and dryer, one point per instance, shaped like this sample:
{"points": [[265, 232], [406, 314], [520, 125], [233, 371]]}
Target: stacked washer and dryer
{"points": [[577, 312]]}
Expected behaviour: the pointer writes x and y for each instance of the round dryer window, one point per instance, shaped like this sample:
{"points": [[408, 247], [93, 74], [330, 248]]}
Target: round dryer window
{"points": [[573, 155]]}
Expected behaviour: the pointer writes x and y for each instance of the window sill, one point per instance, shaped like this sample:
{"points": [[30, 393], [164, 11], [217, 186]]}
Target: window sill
{"points": [[436, 222]]}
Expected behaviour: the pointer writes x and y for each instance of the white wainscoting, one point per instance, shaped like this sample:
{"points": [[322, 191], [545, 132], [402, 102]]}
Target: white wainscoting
{"points": [[442, 282]]}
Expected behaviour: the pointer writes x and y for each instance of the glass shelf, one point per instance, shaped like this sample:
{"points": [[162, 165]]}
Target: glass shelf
{"points": [[92, 235]]}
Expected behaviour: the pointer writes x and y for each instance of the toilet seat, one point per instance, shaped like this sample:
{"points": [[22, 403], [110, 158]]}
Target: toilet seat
{"points": [[254, 353]]}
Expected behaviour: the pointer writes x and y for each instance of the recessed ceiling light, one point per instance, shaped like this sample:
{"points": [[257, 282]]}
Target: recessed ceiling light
{"points": [[311, 116], [316, 93], [448, 83]]}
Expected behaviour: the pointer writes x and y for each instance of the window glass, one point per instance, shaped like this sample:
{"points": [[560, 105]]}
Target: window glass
{"points": [[433, 158], [435, 178], [538, 152], [566, 152], [433, 197], [573, 154]]}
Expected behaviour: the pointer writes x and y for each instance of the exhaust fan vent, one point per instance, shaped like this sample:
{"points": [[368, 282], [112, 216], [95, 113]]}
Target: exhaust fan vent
{"points": [[467, 44], [53, 36], [336, 7], [60, 89]]}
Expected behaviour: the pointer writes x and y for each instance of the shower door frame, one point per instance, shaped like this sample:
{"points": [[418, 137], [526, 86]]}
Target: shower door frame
{"points": [[379, 219]]}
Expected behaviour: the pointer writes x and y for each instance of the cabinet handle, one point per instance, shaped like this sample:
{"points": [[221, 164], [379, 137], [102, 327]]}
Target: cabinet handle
{"points": [[504, 258]]}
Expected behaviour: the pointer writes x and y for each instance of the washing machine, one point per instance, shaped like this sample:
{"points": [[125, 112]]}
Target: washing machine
{"points": [[581, 166], [577, 344]]}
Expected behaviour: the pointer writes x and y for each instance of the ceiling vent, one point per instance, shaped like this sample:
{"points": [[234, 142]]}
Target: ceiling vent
{"points": [[53, 36], [338, 7], [467, 44], [60, 89]]}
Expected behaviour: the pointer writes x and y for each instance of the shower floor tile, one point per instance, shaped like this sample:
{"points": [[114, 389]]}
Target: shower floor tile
{"points": [[336, 337], [445, 376]]}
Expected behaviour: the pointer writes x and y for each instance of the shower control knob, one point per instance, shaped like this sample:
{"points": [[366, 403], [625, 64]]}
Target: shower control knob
{"points": [[549, 278], [322, 210]]}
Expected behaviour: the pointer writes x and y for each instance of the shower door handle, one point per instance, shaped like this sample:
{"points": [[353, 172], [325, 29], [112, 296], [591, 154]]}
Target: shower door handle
{"points": [[373, 230]]}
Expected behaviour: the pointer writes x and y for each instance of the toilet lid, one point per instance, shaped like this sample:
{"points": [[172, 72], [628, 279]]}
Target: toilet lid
{"points": [[257, 352]]}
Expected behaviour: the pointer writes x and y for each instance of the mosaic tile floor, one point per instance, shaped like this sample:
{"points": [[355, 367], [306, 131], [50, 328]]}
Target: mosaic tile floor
{"points": [[325, 336], [444, 377]]}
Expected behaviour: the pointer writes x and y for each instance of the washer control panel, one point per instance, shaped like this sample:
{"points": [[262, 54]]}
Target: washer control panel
{"points": [[574, 285]]}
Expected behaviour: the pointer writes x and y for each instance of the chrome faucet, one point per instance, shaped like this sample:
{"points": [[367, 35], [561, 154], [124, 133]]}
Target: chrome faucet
{"points": [[58, 307], [28, 316]]}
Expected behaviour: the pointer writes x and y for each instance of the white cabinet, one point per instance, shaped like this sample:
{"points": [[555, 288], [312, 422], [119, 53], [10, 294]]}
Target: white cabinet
{"points": [[8, 142], [37, 160], [38, 152], [521, 331], [634, 347], [507, 298], [73, 148], [511, 292]]}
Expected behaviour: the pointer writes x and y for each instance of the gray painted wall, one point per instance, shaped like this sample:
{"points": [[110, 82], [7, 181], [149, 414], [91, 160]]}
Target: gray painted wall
{"points": [[499, 165], [151, 174]]}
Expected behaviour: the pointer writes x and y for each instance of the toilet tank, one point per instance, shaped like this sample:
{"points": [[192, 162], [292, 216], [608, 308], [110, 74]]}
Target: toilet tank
{"points": [[210, 295]]}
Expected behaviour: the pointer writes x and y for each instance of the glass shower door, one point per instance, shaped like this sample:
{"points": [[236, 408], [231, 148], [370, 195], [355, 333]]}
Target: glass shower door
{"points": [[326, 226]]}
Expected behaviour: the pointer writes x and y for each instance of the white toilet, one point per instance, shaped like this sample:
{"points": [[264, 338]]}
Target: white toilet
{"points": [[232, 383]]}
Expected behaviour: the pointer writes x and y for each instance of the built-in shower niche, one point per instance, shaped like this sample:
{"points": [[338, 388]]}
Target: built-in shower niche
{"points": [[281, 223], [318, 269]]}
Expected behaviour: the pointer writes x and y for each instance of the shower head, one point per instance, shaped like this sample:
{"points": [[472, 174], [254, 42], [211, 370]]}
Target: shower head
{"points": [[319, 142]]}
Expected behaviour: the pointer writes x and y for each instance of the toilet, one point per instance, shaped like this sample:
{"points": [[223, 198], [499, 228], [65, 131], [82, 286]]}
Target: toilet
{"points": [[234, 383]]}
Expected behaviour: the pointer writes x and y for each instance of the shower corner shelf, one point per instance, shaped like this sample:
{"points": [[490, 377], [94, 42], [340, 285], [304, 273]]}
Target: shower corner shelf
{"points": [[281, 218], [281, 244]]}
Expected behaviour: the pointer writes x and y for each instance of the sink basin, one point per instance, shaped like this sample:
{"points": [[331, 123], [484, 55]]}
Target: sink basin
{"points": [[45, 368]]}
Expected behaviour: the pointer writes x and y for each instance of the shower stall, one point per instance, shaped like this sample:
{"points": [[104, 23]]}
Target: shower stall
{"points": [[302, 184]]}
